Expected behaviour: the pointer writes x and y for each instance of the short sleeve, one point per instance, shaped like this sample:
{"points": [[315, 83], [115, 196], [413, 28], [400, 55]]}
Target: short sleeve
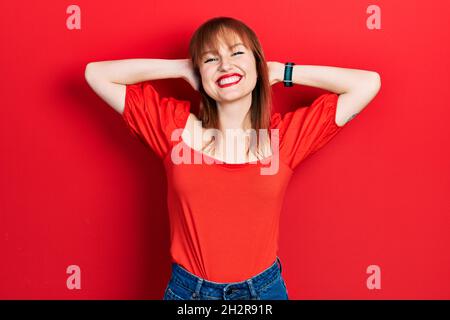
{"points": [[307, 129], [153, 119]]}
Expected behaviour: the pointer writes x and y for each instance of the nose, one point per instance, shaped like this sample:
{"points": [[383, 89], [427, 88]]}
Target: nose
{"points": [[224, 64]]}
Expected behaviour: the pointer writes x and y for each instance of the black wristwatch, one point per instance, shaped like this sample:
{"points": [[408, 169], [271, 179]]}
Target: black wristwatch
{"points": [[288, 68]]}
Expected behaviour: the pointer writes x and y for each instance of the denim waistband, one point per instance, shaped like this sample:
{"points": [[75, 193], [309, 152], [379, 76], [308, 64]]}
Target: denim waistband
{"points": [[194, 283]]}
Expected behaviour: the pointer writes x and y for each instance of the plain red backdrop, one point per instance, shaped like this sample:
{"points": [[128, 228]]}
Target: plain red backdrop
{"points": [[77, 189]]}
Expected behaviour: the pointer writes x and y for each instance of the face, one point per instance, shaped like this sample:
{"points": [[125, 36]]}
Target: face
{"points": [[237, 59]]}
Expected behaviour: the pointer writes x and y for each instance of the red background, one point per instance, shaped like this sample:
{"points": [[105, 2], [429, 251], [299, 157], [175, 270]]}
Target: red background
{"points": [[76, 188]]}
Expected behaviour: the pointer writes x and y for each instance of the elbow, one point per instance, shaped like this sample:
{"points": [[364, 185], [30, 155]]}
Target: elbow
{"points": [[375, 80], [374, 85], [89, 71], [371, 83]]}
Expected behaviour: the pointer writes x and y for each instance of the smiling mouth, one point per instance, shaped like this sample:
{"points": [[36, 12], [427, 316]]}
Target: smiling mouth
{"points": [[229, 84]]}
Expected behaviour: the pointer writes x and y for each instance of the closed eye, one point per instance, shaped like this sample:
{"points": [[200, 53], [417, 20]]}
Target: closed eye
{"points": [[237, 52]]}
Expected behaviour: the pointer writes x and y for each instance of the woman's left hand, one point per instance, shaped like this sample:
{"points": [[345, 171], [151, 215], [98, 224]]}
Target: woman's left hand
{"points": [[276, 72]]}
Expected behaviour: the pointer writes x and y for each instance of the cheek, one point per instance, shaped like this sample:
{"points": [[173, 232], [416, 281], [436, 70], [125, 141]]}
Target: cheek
{"points": [[252, 76], [208, 78], [251, 70]]}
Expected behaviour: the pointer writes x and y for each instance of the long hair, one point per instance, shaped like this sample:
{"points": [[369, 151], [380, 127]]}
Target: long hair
{"points": [[209, 35]]}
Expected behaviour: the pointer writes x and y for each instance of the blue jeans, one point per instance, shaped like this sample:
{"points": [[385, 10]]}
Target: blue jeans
{"points": [[267, 285]]}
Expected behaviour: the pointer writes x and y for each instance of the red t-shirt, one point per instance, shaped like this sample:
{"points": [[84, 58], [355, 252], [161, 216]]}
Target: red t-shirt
{"points": [[224, 217]]}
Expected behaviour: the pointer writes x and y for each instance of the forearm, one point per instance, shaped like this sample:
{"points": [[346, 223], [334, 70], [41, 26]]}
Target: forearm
{"points": [[130, 71], [334, 79]]}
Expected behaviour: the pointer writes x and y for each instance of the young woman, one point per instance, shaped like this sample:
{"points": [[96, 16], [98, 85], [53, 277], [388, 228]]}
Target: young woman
{"points": [[224, 208]]}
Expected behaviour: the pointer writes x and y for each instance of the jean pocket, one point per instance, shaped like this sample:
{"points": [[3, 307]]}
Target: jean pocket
{"points": [[276, 290], [170, 295]]}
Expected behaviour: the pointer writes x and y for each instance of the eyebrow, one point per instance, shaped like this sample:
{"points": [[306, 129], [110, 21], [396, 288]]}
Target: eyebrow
{"points": [[234, 45]]}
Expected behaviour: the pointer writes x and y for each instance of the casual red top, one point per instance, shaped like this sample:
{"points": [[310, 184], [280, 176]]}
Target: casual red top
{"points": [[224, 218]]}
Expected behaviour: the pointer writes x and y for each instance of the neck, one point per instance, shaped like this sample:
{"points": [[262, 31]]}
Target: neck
{"points": [[235, 114]]}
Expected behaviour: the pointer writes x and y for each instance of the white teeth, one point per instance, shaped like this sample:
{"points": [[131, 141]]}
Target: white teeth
{"points": [[229, 80]]}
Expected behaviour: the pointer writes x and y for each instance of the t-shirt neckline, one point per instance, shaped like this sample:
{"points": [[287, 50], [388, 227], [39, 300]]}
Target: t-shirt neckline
{"points": [[214, 161]]}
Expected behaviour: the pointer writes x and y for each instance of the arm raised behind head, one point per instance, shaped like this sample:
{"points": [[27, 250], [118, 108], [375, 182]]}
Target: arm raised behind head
{"points": [[109, 78]]}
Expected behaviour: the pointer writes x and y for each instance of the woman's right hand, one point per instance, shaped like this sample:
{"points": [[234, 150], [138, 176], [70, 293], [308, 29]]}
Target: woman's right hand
{"points": [[190, 76]]}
